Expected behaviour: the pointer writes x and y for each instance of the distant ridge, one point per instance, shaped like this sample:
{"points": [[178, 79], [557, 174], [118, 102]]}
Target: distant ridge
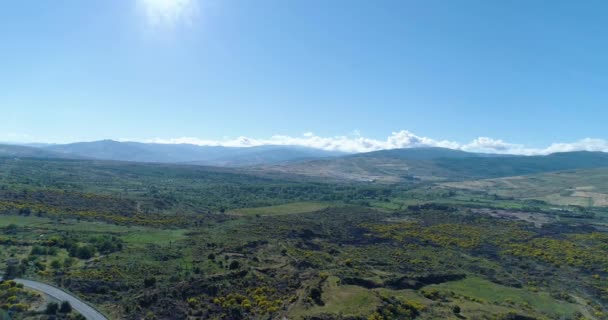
{"points": [[15, 151], [426, 153], [190, 154], [436, 164], [386, 166]]}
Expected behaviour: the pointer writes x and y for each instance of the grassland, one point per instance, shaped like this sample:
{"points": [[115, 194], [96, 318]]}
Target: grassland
{"points": [[480, 290], [347, 300]]}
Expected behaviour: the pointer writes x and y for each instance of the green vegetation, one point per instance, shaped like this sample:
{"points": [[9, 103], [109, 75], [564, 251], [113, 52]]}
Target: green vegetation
{"points": [[13, 297], [585, 188], [347, 300], [479, 290], [153, 195], [143, 241], [21, 303], [289, 208]]}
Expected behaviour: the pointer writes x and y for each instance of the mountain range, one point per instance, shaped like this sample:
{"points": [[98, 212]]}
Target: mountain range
{"points": [[385, 166], [169, 153]]}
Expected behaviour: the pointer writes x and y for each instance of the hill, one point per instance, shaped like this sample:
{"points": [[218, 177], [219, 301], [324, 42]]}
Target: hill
{"points": [[435, 164]]}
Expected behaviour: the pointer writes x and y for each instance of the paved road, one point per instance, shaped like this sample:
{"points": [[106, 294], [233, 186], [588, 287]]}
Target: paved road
{"points": [[78, 305]]}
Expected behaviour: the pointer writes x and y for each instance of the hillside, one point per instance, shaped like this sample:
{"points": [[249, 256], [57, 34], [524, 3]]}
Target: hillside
{"points": [[435, 164], [522, 165], [66, 184], [586, 187]]}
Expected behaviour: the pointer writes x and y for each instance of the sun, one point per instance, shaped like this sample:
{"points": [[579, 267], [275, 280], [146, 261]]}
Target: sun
{"points": [[169, 12]]}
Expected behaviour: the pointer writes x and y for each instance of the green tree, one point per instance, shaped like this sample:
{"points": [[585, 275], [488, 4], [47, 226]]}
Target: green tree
{"points": [[51, 308], [84, 252]]}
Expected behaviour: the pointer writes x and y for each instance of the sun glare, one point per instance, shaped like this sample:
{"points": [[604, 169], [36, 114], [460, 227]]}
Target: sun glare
{"points": [[169, 12]]}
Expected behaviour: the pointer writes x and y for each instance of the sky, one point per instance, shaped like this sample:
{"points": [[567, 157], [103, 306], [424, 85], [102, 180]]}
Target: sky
{"points": [[528, 77]]}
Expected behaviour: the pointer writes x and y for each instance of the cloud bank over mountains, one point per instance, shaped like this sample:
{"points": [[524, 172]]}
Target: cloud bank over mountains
{"points": [[399, 139]]}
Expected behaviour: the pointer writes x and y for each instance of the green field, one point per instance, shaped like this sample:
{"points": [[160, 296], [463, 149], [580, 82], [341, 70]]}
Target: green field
{"points": [[341, 299], [486, 291], [289, 208]]}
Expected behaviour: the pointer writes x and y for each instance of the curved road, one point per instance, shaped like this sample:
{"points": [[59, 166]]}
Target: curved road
{"points": [[77, 304]]}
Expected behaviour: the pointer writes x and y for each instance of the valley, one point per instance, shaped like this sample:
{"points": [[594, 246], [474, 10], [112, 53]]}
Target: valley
{"points": [[167, 241]]}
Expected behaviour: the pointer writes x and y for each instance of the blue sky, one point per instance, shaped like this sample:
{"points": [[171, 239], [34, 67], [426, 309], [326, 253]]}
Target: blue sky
{"points": [[523, 73]]}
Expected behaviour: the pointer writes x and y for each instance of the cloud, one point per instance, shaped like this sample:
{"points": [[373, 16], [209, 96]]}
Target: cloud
{"points": [[169, 13], [353, 143], [489, 145], [398, 139], [587, 144]]}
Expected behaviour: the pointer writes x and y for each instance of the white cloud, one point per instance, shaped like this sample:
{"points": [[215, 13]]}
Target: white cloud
{"points": [[169, 13], [485, 144], [587, 144], [355, 142], [399, 139]]}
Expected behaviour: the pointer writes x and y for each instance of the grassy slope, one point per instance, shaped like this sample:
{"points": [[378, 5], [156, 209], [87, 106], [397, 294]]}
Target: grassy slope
{"points": [[493, 293], [587, 187], [347, 300]]}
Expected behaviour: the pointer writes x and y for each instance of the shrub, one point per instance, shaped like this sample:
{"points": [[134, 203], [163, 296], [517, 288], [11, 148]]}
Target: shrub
{"points": [[149, 282], [51, 308], [66, 307], [456, 310], [56, 264], [234, 265], [83, 252]]}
